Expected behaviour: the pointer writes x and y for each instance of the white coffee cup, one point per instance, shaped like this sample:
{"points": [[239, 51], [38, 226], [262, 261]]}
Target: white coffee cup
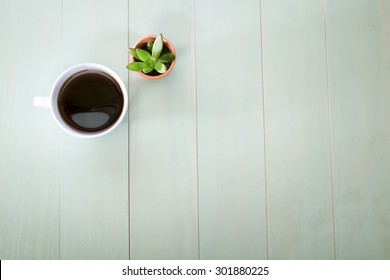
{"points": [[52, 101]]}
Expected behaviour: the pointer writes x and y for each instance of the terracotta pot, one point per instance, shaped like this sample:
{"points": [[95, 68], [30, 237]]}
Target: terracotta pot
{"points": [[167, 44]]}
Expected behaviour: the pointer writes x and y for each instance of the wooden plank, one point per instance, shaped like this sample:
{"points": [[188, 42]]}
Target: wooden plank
{"points": [[230, 130], [94, 172], [29, 161], [359, 69], [163, 186], [300, 216]]}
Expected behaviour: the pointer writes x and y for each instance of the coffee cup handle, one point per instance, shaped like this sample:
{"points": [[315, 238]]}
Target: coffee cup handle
{"points": [[42, 101]]}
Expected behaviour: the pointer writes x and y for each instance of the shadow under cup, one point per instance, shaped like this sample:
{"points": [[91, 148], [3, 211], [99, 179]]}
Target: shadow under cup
{"points": [[90, 101]]}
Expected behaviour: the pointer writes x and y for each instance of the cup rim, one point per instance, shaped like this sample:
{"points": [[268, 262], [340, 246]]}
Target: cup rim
{"points": [[58, 85]]}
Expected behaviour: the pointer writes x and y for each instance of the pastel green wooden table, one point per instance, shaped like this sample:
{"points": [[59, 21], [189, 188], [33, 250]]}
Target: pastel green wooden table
{"points": [[269, 140]]}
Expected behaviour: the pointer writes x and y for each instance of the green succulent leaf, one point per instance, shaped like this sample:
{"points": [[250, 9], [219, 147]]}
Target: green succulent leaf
{"points": [[147, 69], [169, 57], [150, 46], [150, 62], [160, 67], [157, 46], [136, 66], [133, 52], [143, 55]]}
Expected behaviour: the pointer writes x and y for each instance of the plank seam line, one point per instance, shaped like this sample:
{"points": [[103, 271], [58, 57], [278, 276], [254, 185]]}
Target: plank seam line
{"points": [[60, 138], [196, 127], [128, 137], [128, 132], [330, 127], [264, 128]]}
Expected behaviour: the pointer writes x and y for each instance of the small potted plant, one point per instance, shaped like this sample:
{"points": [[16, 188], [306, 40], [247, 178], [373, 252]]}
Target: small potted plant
{"points": [[153, 57]]}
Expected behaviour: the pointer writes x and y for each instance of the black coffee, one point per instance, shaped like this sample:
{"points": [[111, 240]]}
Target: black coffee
{"points": [[90, 101]]}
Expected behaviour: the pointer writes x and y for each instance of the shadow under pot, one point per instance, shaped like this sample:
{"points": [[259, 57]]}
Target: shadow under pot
{"points": [[167, 48]]}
